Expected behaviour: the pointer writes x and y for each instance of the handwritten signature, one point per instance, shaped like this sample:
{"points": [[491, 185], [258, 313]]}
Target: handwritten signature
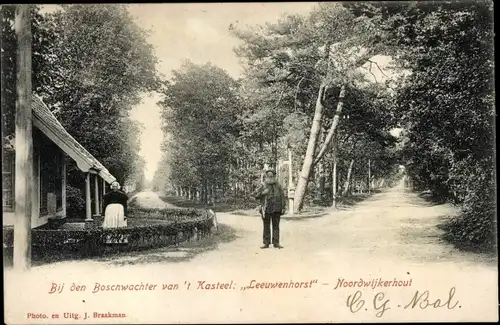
{"points": [[420, 300]]}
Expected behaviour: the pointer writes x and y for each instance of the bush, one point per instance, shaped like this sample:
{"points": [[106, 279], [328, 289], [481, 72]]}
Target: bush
{"points": [[169, 214], [177, 226], [75, 202], [475, 227]]}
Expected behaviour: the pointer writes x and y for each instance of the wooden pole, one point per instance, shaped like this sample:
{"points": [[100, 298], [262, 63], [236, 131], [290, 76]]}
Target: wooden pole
{"points": [[291, 189], [23, 142], [102, 195], [88, 203], [63, 196], [96, 194]]}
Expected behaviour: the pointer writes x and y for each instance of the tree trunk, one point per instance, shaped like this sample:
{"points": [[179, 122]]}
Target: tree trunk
{"points": [[348, 179], [334, 184], [334, 173], [369, 176], [322, 179], [339, 182], [209, 194], [321, 171], [205, 192], [275, 154], [333, 128], [300, 191]]}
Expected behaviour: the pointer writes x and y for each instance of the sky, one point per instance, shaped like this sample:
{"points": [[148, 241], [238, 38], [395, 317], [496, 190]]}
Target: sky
{"points": [[198, 32]]}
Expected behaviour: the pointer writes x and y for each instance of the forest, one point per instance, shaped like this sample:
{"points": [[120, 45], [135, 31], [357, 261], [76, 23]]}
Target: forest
{"points": [[314, 87], [353, 92], [91, 77]]}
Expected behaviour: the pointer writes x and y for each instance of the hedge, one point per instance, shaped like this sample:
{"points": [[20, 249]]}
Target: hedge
{"points": [[179, 225], [167, 214]]}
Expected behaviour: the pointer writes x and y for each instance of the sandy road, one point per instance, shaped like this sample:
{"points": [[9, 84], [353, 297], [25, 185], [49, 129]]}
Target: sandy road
{"points": [[390, 236], [150, 199]]}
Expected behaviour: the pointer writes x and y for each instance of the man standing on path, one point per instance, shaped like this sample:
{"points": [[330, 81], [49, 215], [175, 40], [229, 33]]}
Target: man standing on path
{"points": [[272, 199]]}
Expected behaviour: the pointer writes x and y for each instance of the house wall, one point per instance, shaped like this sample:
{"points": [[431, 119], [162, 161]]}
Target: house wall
{"points": [[40, 147], [36, 220]]}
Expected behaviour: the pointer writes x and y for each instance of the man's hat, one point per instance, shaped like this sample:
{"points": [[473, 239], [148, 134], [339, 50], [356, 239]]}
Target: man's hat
{"points": [[270, 171]]}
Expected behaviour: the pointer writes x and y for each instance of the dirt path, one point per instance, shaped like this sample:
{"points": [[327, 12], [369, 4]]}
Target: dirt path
{"points": [[149, 199], [394, 225], [391, 235]]}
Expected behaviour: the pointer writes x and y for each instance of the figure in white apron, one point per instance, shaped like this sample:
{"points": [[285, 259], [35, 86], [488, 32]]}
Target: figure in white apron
{"points": [[115, 210]]}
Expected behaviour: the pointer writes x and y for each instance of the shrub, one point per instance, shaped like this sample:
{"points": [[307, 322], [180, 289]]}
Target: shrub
{"points": [[177, 226], [475, 227], [75, 202], [167, 214]]}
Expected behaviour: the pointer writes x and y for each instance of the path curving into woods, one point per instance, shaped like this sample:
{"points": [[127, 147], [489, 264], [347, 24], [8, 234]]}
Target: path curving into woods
{"points": [[391, 235], [149, 199]]}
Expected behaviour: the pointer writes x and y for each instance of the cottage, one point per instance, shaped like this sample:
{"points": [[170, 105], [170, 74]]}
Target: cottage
{"points": [[52, 147]]}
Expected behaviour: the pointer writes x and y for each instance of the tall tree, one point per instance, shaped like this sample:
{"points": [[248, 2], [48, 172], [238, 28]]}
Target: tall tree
{"points": [[101, 75], [200, 110], [42, 40], [446, 104], [317, 57], [91, 65]]}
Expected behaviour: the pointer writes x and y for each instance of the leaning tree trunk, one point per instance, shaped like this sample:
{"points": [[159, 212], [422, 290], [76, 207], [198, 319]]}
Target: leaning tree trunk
{"points": [[333, 127], [321, 172], [309, 160], [300, 191], [348, 179]]}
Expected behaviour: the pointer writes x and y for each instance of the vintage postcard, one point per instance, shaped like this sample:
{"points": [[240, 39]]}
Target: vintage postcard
{"points": [[253, 162]]}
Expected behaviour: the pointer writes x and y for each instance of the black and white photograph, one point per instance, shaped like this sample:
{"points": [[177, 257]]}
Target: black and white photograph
{"points": [[249, 162]]}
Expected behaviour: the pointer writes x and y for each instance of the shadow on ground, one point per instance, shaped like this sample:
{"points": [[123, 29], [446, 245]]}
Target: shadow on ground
{"points": [[430, 198], [347, 202], [226, 205], [181, 253], [421, 231], [317, 210], [443, 226]]}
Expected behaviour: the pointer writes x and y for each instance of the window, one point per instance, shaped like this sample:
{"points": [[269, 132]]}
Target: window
{"points": [[50, 174], [8, 172]]}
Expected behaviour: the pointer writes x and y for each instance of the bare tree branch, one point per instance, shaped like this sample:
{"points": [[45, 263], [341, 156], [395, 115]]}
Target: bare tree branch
{"points": [[279, 100], [380, 69], [296, 93], [370, 70]]}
